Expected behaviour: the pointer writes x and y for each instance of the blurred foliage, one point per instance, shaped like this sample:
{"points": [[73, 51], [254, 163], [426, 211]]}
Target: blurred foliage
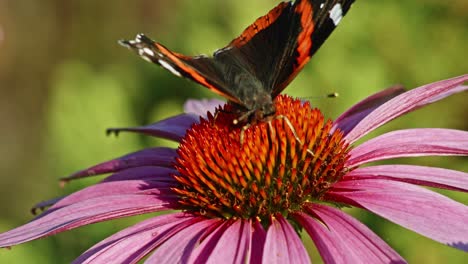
{"points": [[64, 79]]}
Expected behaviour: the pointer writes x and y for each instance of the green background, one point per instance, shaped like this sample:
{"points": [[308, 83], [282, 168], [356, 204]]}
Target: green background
{"points": [[64, 80]]}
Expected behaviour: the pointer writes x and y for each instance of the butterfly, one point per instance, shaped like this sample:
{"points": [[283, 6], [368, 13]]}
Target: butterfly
{"points": [[258, 65]]}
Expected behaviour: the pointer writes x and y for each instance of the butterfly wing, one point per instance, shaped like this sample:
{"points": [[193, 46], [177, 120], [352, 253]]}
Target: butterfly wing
{"points": [[277, 46], [201, 69], [271, 51]]}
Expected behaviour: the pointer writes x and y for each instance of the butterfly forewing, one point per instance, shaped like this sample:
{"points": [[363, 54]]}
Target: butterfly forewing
{"points": [[327, 19]]}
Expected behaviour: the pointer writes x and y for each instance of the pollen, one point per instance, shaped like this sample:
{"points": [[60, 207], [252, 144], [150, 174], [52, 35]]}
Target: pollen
{"points": [[278, 166]]}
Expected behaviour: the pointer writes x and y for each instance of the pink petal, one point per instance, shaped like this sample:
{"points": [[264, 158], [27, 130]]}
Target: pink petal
{"points": [[410, 143], [209, 241], [148, 157], [405, 103], [282, 244], [258, 242], [84, 213], [230, 243], [172, 128], [349, 119], [160, 189], [180, 246], [423, 211], [420, 175], [143, 173], [342, 239], [133, 243], [201, 107]]}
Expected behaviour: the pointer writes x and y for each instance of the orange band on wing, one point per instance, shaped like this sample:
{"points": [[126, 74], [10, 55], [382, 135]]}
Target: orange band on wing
{"points": [[259, 24], [304, 40]]}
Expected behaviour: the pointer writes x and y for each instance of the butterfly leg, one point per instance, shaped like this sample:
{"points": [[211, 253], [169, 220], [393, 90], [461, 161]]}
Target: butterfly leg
{"points": [[243, 129], [293, 130], [243, 117]]}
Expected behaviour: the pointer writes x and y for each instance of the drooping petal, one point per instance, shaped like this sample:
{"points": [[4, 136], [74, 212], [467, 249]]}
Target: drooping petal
{"points": [[83, 213], [172, 128], [418, 209], [148, 157], [179, 247], [282, 244], [143, 173], [230, 243], [134, 243], [342, 239], [349, 119], [201, 107], [405, 103], [410, 143], [420, 175], [44, 204], [143, 187]]}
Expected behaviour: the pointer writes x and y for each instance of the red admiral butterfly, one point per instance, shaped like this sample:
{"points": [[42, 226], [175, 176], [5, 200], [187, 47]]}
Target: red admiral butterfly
{"points": [[255, 67]]}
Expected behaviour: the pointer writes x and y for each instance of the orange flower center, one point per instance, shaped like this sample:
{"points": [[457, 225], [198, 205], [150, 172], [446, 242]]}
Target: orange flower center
{"points": [[277, 168]]}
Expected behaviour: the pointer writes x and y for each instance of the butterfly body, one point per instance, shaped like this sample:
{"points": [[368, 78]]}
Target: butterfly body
{"points": [[256, 66]]}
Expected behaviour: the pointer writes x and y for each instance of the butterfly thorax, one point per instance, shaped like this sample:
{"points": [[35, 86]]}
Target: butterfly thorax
{"points": [[258, 107]]}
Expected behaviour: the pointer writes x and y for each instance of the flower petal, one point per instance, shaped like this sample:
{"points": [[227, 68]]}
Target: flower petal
{"points": [[172, 128], [142, 187], [143, 173], [258, 242], [342, 239], [84, 213], [349, 119], [420, 175], [44, 204], [179, 247], [201, 107], [405, 103], [282, 244], [410, 143], [148, 157], [230, 243], [423, 211], [134, 243]]}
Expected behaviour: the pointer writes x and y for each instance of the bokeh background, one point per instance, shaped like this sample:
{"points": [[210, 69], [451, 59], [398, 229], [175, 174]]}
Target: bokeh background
{"points": [[64, 80]]}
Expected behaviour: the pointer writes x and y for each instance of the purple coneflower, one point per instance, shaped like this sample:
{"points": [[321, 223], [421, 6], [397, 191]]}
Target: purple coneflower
{"points": [[239, 204]]}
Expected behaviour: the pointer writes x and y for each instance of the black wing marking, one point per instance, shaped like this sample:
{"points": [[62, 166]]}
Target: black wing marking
{"points": [[201, 69]]}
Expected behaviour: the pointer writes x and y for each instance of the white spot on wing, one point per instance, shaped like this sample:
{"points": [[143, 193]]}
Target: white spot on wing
{"points": [[336, 14], [144, 55], [139, 37], [148, 51], [146, 58], [168, 67], [322, 5]]}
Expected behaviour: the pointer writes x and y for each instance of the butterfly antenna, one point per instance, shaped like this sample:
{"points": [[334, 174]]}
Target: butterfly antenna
{"points": [[329, 95]]}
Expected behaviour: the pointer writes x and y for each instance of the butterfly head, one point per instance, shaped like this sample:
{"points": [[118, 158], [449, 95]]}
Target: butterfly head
{"points": [[259, 108], [264, 108]]}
